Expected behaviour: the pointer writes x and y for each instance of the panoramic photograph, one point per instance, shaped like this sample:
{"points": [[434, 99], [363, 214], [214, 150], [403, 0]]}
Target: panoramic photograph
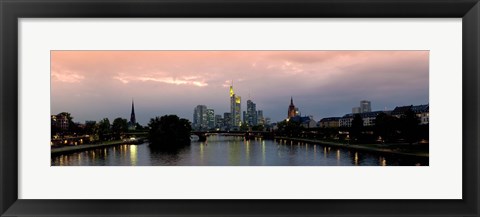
{"points": [[239, 108]]}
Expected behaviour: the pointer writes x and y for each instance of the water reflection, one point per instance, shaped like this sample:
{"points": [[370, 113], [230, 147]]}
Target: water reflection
{"points": [[231, 151]]}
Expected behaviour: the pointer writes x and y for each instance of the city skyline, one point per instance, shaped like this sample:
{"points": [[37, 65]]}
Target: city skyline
{"points": [[95, 84]]}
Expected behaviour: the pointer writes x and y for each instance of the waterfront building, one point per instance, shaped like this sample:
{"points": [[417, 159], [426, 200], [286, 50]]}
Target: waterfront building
{"points": [[421, 111], [330, 122], [60, 121], [367, 117], [235, 109], [306, 121], [133, 121], [200, 118]]}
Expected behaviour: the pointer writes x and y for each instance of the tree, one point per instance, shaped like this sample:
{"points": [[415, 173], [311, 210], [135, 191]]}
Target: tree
{"points": [[290, 128], [91, 129], [119, 127], [357, 127], [386, 126], [244, 127], [258, 128], [139, 127], [104, 129], [169, 132], [409, 126]]}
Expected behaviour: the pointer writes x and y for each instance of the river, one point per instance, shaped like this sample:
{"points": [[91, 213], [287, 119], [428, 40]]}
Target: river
{"points": [[232, 151]]}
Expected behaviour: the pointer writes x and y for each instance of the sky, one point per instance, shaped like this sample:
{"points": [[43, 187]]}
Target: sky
{"points": [[92, 85]]}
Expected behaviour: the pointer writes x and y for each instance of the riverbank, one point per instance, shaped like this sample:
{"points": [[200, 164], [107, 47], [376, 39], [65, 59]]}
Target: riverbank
{"points": [[377, 148], [79, 148]]}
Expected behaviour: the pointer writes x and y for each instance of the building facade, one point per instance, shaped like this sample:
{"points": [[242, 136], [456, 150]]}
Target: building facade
{"points": [[200, 118], [251, 114], [365, 106], [210, 118], [330, 122]]}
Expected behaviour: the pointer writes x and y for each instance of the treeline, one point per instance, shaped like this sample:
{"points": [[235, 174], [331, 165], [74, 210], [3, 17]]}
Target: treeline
{"points": [[169, 132], [387, 129], [103, 130]]}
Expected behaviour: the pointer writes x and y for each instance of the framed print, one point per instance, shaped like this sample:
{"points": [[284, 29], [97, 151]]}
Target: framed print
{"points": [[239, 108]]}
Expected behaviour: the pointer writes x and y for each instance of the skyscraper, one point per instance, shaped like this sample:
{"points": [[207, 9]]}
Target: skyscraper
{"points": [[227, 120], [260, 119], [210, 118], [251, 114], [200, 117], [235, 109], [365, 106], [132, 125]]}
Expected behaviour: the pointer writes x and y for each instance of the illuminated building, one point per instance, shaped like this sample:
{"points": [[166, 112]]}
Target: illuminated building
{"points": [[365, 106], [235, 109], [200, 117], [210, 118], [260, 119]]}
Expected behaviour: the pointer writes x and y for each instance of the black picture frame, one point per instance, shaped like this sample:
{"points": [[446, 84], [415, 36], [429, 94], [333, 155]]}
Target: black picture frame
{"points": [[12, 10]]}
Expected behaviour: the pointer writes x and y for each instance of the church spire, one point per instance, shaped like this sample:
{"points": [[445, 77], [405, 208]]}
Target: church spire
{"points": [[291, 101], [133, 121]]}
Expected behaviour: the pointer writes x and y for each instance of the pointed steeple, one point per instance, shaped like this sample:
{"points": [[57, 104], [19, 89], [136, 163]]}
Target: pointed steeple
{"points": [[133, 121], [291, 101]]}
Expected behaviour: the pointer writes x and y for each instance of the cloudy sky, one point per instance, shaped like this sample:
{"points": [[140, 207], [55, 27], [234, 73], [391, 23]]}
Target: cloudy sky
{"points": [[92, 85]]}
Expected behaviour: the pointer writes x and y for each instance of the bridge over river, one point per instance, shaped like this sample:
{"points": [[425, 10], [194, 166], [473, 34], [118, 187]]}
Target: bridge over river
{"points": [[202, 135]]}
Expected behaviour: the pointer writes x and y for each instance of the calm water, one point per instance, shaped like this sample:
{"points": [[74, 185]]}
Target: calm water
{"points": [[230, 151]]}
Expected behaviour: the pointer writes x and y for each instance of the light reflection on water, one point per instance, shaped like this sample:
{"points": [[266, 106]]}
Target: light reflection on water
{"points": [[231, 151]]}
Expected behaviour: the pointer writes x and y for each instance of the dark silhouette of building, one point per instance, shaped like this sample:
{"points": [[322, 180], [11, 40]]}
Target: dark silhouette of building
{"points": [[133, 122], [292, 111]]}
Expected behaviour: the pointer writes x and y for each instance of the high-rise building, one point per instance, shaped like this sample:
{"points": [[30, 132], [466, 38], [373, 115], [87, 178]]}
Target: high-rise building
{"points": [[227, 120], [132, 125], [235, 109], [251, 114], [292, 110], [218, 121], [200, 118], [260, 119], [365, 106], [210, 118]]}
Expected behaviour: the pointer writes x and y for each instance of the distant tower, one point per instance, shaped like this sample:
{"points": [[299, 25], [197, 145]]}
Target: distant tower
{"points": [[133, 121], [235, 109], [291, 109]]}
